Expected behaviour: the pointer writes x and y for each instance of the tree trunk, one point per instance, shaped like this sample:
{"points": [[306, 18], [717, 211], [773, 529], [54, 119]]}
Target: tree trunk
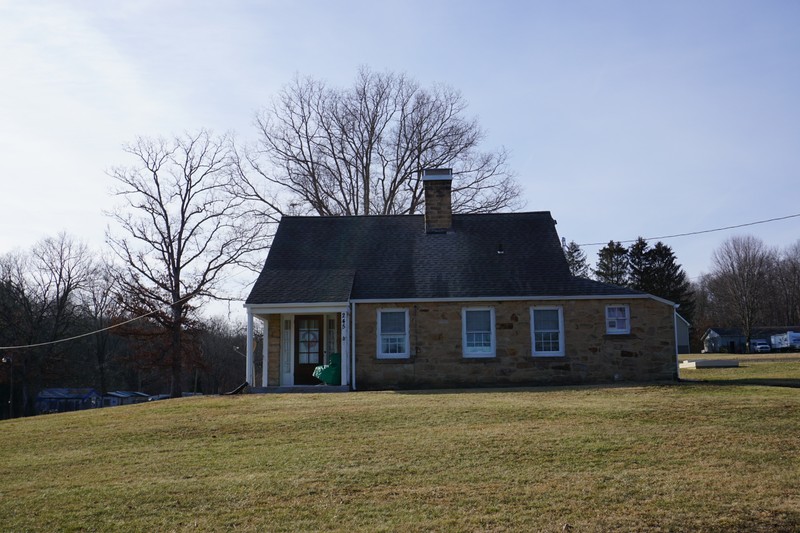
{"points": [[177, 353]]}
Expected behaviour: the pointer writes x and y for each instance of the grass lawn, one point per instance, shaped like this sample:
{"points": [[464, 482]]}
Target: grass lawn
{"points": [[682, 457]]}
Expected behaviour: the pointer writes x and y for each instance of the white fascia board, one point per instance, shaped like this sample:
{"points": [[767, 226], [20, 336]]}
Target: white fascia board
{"points": [[520, 299], [297, 308]]}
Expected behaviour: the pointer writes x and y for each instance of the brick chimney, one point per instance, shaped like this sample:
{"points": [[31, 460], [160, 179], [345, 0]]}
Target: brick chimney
{"points": [[436, 182]]}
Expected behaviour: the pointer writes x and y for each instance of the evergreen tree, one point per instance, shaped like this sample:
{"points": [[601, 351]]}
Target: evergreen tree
{"points": [[612, 264], [656, 271], [668, 280], [576, 259], [639, 265]]}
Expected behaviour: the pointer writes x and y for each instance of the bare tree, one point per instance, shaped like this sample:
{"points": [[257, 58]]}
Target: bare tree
{"points": [[786, 293], [358, 151], [101, 309], [739, 279], [221, 356], [182, 228], [40, 305]]}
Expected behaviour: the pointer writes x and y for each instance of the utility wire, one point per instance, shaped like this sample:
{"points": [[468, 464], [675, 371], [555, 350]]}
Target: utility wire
{"points": [[95, 332], [698, 232], [76, 337], [38, 345]]}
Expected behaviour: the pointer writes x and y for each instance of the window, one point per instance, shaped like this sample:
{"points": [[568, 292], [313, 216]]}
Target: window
{"points": [[547, 326], [331, 336], [618, 320], [477, 326], [393, 334]]}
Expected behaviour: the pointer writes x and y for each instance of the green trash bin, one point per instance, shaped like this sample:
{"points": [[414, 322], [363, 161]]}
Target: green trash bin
{"points": [[330, 374]]}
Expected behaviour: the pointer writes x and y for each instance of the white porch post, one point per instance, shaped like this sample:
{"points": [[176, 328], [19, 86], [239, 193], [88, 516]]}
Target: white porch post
{"points": [[265, 354], [345, 343], [250, 370]]}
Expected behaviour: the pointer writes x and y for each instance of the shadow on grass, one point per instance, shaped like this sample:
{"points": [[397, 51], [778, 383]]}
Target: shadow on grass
{"points": [[764, 382], [466, 389]]}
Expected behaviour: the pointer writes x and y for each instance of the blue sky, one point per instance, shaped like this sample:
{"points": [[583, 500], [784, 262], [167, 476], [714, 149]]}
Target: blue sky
{"points": [[622, 118]]}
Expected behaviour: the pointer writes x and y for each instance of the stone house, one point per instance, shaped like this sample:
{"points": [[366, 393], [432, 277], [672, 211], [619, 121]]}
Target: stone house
{"points": [[446, 300]]}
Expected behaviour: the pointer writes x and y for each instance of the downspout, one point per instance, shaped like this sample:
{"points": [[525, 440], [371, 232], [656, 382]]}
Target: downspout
{"points": [[675, 332], [250, 369]]}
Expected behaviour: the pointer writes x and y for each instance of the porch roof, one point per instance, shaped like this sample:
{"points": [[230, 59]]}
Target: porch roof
{"points": [[282, 285]]}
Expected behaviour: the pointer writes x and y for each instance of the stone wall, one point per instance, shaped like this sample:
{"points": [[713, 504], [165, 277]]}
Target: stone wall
{"points": [[274, 355], [591, 356]]}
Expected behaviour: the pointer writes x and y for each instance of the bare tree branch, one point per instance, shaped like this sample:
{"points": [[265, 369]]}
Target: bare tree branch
{"points": [[182, 226], [359, 150], [739, 279]]}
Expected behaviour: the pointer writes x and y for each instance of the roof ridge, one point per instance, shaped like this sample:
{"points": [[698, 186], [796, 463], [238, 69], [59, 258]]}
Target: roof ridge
{"points": [[512, 213]]}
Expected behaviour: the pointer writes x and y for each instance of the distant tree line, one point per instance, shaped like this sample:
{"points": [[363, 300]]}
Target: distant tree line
{"points": [[58, 289]]}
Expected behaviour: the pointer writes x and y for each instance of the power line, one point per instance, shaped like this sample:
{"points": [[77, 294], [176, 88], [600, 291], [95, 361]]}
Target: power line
{"points": [[76, 337], [697, 232], [95, 332], [89, 334]]}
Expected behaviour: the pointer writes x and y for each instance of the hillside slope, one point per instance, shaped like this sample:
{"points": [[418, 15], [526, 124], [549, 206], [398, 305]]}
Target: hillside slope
{"points": [[686, 457]]}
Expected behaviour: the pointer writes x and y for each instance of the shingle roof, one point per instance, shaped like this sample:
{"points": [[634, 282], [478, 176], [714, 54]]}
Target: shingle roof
{"points": [[334, 259]]}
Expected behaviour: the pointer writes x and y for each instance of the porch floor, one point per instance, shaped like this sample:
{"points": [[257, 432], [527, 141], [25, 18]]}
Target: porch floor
{"points": [[298, 388]]}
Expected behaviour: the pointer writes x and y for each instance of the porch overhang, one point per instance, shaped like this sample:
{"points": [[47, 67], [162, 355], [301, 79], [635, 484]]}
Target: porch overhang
{"points": [[264, 310], [296, 308]]}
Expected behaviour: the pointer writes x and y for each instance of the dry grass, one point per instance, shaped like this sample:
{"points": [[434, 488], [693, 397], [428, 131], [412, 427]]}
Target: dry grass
{"points": [[688, 457]]}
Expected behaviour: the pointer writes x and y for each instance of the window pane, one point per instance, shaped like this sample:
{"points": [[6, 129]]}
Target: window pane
{"points": [[393, 322], [617, 320], [479, 341], [547, 342], [617, 312], [392, 344], [546, 319], [479, 320]]}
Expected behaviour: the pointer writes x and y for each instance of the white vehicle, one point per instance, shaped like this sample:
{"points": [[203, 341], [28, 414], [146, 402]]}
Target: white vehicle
{"points": [[759, 346], [786, 341]]}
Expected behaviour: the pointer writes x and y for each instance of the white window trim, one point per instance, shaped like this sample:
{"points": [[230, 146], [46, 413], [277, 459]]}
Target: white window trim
{"points": [[492, 331], [379, 344], [618, 331], [558, 353]]}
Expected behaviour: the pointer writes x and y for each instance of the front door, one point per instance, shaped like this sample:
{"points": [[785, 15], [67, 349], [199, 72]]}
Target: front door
{"points": [[308, 348]]}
